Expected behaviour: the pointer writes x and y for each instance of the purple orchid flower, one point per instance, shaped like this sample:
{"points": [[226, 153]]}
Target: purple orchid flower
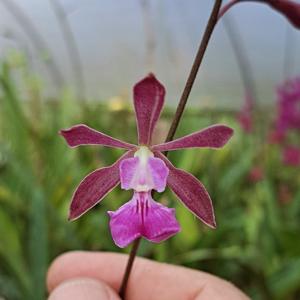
{"points": [[144, 168]]}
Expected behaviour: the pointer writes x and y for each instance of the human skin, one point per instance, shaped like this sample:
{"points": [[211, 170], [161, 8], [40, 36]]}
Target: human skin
{"points": [[97, 276]]}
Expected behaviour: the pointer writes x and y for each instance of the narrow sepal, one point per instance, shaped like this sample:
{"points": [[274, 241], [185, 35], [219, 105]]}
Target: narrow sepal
{"points": [[94, 187], [148, 96], [215, 136], [81, 134], [191, 192]]}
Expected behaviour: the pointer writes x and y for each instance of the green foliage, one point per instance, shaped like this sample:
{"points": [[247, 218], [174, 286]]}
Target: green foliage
{"points": [[256, 244]]}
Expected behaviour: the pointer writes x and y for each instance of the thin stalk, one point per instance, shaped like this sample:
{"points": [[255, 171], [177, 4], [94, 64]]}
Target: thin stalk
{"points": [[194, 70], [71, 45], [20, 43], [178, 114], [132, 255], [36, 38]]}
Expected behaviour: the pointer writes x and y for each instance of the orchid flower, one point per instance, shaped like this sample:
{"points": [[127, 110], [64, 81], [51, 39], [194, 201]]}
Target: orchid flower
{"points": [[144, 168]]}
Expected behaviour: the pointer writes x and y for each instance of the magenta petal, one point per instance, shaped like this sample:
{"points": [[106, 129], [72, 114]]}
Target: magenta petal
{"points": [[83, 135], [125, 224], [142, 216], [159, 222], [215, 136], [128, 170], [159, 172], [149, 96], [191, 192], [143, 176], [93, 188]]}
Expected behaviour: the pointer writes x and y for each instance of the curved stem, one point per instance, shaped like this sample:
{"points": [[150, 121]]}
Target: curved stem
{"points": [[242, 59], [226, 7], [20, 43], [149, 34], [37, 40], [175, 122], [290, 51], [72, 48]]}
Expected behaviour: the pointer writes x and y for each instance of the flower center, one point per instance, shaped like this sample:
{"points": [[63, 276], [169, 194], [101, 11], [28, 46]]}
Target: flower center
{"points": [[143, 154], [143, 172]]}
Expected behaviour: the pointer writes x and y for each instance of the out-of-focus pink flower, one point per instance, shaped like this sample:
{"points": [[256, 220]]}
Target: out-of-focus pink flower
{"points": [[291, 156], [144, 168], [276, 137], [245, 116], [288, 106], [256, 174]]}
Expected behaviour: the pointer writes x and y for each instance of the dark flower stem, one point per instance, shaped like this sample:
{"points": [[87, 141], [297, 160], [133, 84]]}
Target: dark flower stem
{"points": [[129, 265], [213, 19], [178, 114]]}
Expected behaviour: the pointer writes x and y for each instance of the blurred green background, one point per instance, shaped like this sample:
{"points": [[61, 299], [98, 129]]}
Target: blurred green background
{"points": [[256, 196]]}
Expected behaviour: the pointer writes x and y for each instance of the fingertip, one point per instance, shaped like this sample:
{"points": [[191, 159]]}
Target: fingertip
{"points": [[58, 268], [84, 263], [161, 281], [82, 289]]}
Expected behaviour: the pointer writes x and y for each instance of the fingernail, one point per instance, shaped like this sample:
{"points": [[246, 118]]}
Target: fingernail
{"points": [[82, 288]]}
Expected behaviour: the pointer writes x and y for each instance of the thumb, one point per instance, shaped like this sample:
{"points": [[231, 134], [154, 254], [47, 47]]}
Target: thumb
{"points": [[83, 289]]}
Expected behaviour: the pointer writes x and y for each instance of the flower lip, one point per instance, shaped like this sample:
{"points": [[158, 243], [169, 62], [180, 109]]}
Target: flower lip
{"points": [[148, 219]]}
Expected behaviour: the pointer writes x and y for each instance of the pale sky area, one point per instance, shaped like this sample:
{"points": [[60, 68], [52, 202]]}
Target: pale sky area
{"points": [[111, 38]]}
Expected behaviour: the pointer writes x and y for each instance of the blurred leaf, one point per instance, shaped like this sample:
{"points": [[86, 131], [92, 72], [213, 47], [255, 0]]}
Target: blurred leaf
{"points": [[38, 247], [11, 251], [285, 281], [190, 228], [233, 176]]}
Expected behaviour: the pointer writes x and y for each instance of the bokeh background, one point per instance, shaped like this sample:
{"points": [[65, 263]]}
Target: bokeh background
{"points": [[64, 62]]}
